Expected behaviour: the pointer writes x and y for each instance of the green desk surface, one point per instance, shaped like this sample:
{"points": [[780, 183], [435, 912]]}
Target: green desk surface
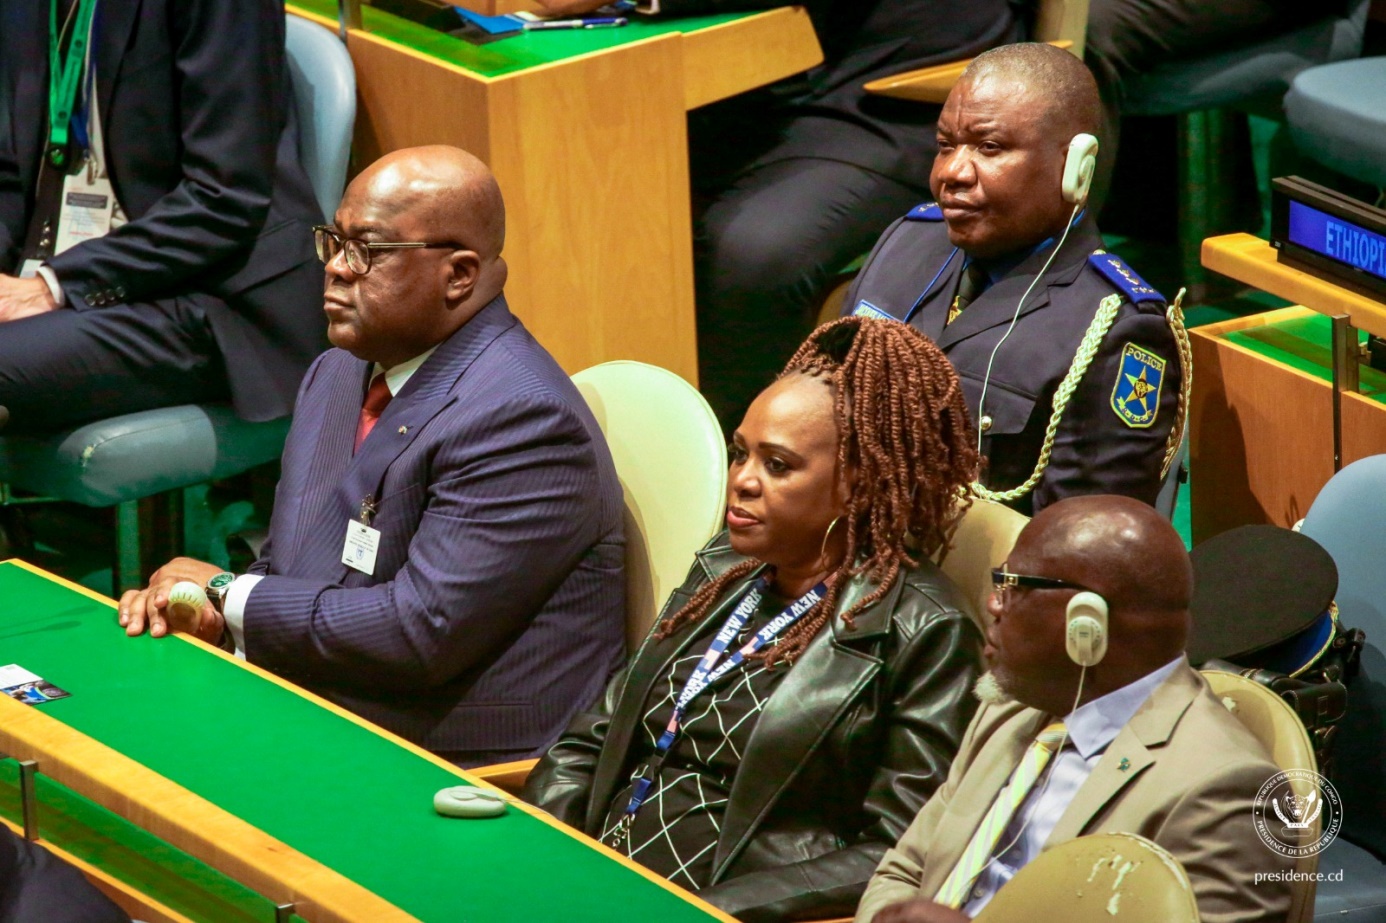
{"points": [[331, 789], [517, 52], [1305, 343]]}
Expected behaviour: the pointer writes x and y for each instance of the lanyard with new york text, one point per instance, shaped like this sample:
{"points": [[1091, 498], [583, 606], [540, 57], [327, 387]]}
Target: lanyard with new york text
{"points": [[709, 670]]}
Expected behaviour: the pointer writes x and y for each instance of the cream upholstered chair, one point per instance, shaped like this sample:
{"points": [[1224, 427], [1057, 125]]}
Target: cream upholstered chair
{"points": [[672, 462], [1280, 731], [981, 542], [1096, 879]]}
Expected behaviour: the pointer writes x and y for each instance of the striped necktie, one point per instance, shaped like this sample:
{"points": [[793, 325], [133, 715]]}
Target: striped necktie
{"points": [[970, 285], [377, 396], [979, 850]]}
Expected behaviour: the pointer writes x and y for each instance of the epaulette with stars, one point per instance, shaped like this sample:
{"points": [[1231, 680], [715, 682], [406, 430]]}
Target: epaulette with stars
{"points": [[1123, 277], [928, 211]]}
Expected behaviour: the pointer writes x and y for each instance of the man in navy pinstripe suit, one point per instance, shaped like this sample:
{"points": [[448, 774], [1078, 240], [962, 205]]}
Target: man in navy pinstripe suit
{"points": [[445, 553]]}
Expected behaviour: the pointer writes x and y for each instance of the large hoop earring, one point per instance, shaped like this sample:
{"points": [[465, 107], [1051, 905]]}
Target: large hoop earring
{"points": [[823, 551]]}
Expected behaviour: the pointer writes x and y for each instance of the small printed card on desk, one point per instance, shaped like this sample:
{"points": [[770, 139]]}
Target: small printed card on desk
{"points": [[29, 688]]}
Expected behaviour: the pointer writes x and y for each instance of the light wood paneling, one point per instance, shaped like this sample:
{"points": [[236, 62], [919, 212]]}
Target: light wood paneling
{"points": [[497, 7], [728, 59], [405, 99], [1252, 260], [508, 777], [1262, 433], [591, 154], [199, 828], [595, 176], [1062, 21]]}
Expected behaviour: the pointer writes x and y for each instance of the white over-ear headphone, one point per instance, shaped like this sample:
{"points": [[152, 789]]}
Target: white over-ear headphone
{"points": [[1079, 166], [1085, 635]]}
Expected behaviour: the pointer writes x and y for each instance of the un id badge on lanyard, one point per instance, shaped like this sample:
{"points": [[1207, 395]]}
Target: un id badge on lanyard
{"points": [[710, 669], [87, 206], [362, 542]]}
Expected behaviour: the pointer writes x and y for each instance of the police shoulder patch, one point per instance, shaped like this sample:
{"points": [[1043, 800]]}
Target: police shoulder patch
{"points": [[929, 211], [1136, 391], [1123, 277]]}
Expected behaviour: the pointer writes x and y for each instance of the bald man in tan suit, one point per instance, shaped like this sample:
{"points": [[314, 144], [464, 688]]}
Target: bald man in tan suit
{"points": [[1151, 750]]}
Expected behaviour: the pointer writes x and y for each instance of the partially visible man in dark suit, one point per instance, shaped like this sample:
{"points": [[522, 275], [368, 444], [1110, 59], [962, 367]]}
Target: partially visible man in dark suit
{"points": [[793, 182], [36, 885], [1070, 366], [1126, 38], [154, 247], [445, 555]]}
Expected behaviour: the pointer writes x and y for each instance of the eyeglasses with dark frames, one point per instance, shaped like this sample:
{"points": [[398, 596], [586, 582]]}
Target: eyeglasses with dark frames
{"points": [[358, 252], [1003, 580]]}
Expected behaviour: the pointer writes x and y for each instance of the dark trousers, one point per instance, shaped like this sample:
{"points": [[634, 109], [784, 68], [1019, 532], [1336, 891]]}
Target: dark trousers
{"points": [[68, 367], [766, 246], [1129, 37], [36, 885]]}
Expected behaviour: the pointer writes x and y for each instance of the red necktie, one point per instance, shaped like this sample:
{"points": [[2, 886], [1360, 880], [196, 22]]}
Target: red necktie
{"points": [[377, 396]]}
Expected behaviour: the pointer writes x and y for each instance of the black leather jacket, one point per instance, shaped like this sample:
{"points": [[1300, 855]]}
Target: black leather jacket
{"points": [[851, 744]]}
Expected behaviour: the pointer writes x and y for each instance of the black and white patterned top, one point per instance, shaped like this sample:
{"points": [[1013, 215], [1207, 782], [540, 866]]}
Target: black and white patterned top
{"points": [[675, 833]]}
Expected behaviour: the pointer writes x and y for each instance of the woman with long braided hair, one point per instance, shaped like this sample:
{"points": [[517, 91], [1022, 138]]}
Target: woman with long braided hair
{"points": [[806, 688]]}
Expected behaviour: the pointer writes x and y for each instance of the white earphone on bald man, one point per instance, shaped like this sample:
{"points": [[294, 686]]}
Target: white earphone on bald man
{"points": [[1085, 630]]}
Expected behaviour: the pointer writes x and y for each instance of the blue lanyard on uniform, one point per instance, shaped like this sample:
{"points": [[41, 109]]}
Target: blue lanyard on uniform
{"points": [[709, 671], [924, 294], [64, 74]]}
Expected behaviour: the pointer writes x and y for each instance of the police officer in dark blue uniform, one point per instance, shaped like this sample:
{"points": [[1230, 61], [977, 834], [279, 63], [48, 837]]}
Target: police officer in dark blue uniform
{"points": [[1070, 362], [793, 181]]}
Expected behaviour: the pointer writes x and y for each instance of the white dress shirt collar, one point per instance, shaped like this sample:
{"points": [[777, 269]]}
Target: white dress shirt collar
{"points": [[397, 376]]}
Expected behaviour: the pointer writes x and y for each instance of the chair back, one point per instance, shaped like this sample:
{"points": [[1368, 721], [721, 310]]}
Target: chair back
{"points": [[1348, 518], [1275, 724], [324, 85], [1096, 879], [1062, 20], [981, 542], [672, 462], [1177, 474], [1245, 74]]}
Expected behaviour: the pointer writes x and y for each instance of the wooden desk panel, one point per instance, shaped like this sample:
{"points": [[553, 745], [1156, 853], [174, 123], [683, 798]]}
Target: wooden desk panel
{"points": [[498, 7], [587, 135], [1262, 431], [1252, 260]]}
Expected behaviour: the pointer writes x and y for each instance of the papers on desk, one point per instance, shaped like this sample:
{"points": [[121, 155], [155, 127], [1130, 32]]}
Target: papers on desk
{"points": [[488, 27], [29, 688], [479, 29]]}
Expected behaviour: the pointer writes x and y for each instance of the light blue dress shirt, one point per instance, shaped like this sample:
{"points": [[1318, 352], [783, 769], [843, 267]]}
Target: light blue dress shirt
{"points": [[1091, 729]]}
